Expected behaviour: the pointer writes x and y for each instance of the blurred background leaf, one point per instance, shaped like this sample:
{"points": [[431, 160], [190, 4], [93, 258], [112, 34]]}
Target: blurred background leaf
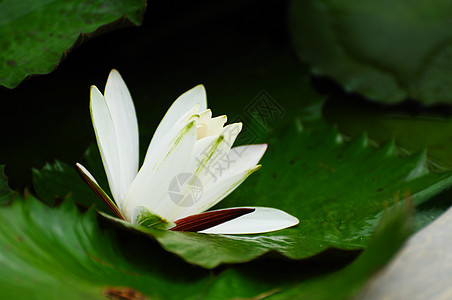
{"points": [[385, 50], [36, 35], [414, 127]]}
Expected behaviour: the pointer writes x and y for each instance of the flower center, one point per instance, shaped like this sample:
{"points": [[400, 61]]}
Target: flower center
{"points": [[208, 126]]}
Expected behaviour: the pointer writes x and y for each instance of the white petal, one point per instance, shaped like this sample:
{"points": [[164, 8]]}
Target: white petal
{"points": [[166, 143], [222, 175], [207, 161], [124, 118], [86, 172], [178, 109], [214, 193], [106, 140], [89, 179], [150, 187], [205, 116], [216, 125], [201, 147], [238, 160], [208, 126], [263, 219], [207, 153]]}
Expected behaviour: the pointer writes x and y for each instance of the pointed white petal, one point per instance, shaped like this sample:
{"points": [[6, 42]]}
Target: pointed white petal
{"points": [[205, 116], [86, 172], [124, 119], [202, 162], [89, 179], [231, 132], [206, 162], [178, 109], [228, 174], [214, 193], [238, 160], [204, 156], [150, 187], [263, 219], [106, 140], [209, 126], [216, 125], [155, 156]]}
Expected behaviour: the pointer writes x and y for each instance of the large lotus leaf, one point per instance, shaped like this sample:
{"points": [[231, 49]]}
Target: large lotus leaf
{"points": [[35, 35], [336, 189], [412, 131], [276, 280], [347, 283], [59, 253], [56, 253], [386, 50]]}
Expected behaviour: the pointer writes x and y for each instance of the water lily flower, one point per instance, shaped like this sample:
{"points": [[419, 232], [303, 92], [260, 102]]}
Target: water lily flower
{"points": [[181, 176]]}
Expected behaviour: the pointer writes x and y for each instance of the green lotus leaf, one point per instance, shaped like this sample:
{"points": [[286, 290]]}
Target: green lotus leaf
{"points": [[56, 253], [278, 280], [36, 35], [60, 252], [337, 189]]}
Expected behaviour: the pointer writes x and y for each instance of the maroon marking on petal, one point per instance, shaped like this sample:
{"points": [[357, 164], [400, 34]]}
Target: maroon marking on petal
{"points": [[209, 219], [99, 194]]}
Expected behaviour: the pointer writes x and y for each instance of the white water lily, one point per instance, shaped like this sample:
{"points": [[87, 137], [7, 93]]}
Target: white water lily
{"points": [[181, 176]]}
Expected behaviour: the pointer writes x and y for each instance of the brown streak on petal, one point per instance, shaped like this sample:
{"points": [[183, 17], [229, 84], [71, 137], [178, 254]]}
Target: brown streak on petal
{"points": [[209, 219]]}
